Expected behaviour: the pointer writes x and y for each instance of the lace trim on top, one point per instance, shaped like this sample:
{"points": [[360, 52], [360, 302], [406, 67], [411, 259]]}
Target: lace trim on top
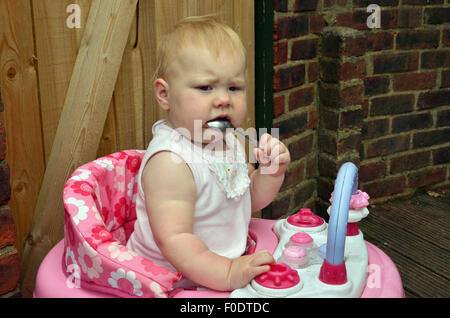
{"points": [[230, 169]]}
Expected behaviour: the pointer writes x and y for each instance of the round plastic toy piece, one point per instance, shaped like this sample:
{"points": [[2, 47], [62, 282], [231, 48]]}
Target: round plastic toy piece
{"points": [[295, 256], [301, 239], [305, 218], [280, 276]]}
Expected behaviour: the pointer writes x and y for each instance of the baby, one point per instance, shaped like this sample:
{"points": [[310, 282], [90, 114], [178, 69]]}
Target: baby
{"points": [[193, 206]]}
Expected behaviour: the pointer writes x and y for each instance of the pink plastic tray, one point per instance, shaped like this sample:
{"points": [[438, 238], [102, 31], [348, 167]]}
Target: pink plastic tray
{"points": [[51, 279]]}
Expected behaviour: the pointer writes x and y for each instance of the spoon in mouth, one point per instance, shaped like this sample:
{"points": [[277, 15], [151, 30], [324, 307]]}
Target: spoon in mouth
{"points": [[223, 124]]}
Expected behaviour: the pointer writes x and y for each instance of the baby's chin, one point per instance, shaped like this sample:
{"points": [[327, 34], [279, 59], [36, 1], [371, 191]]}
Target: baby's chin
{"points": [[210, 135]]}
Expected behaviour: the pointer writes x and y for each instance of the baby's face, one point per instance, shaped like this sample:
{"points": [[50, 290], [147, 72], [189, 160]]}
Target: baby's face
{"points": [[204, 87]]}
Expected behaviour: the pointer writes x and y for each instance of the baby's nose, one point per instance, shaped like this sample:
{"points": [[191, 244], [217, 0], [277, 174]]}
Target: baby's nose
{"points": [[222, 99]]}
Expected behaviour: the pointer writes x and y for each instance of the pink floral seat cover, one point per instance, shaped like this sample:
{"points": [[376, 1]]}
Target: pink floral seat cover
{"points": [[100, 211]]}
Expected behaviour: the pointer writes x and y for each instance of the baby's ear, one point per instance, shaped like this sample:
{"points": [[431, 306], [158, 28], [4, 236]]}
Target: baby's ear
{"points": [[162, 93]]}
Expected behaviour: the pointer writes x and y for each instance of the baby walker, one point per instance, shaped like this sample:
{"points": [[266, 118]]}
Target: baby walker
{"points": [[314, 259]]}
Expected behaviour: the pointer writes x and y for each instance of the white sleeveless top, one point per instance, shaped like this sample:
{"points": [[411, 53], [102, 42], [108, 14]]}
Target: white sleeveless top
{"points": [[223, 207]]}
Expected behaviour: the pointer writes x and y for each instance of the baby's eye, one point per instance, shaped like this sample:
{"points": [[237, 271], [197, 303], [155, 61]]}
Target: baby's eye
{"points": [[204, 87], [235, 88]]}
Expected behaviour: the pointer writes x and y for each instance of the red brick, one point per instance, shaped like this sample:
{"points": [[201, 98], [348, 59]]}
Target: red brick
{"points": [[427, 177], [395, 63], [411, 122], [446, 37], [352, 119], [352, 95], [435, 59], [7, 228], [349, 144], [386, 187], [305, 5], [433, 99], [304, 49], [289, 77], [313, 119], [414, 81], [392, 105], [9, 271], [292, 126], [410, 18], [445, 78], [278, 106], [301, 147], [375, 128], [410, 162], [430, 138], [310, 168], [379, 41], [372, 171], [300, 98], [316, 23], [355, 20], [365, 107], [333, 71], [334, 97], [280, 5], [443, 118], [441, 155], [418, 39], [375, 85], [280, 53], [312, 72], [293, 176], [387, 146], [352, 70], [291, 27], [389, 19]]}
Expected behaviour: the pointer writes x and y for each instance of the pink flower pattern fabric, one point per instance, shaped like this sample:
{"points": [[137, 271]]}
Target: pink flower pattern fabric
{"points": [[100, 211]]}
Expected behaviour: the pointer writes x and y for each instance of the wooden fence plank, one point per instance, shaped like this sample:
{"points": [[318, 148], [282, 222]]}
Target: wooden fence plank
{"points": [[129, 96], [21, 112], [56, 49], [82, 120]]}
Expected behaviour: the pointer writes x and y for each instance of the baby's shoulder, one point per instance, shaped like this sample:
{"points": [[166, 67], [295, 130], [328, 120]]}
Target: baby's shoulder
{"points": [[167, 168]]}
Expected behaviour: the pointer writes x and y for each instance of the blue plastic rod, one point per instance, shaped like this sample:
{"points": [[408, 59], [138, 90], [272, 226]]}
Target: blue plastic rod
{"points": [[346, 184]]}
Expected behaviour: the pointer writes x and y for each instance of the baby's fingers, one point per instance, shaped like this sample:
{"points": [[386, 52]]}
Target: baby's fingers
{"points": [[262, 258], [260, 270]]}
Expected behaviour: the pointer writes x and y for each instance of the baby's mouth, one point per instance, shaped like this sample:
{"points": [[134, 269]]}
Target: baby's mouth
{"points": [[220, 118]]}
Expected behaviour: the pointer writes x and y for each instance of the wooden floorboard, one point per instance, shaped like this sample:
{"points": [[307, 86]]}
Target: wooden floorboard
{"points": [[415, 234]]}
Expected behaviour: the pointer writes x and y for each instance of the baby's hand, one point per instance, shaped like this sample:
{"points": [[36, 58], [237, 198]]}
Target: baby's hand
{"points": [[245, 268], [273, 156]]}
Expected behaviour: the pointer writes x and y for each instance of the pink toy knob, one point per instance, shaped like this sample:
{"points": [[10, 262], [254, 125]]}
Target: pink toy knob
{"points": [[302, 239], [294, 252], [305, 218], [280, 276]]}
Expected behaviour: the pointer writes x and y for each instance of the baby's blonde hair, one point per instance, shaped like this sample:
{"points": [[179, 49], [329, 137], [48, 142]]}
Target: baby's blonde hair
{"points": [[203, 31]]}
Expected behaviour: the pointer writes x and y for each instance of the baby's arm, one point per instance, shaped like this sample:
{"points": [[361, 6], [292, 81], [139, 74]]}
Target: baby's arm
{"points": [[170, 194], [266, 181]]}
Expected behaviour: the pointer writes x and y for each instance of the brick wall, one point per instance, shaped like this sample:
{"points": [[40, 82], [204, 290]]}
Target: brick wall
{"points": [[377, 97], [296, 38], [9, 257]]}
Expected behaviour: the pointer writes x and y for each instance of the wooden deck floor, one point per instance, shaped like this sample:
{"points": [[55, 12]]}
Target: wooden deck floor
{"points": [[415, 234]]}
